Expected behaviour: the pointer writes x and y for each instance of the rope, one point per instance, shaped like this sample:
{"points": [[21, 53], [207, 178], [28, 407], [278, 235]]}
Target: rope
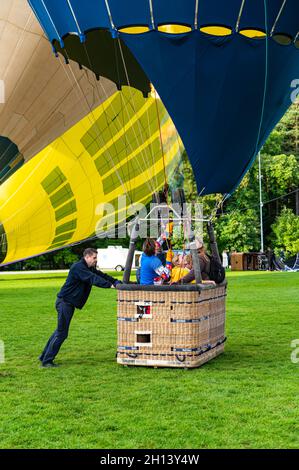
{"points": [[94, 122], [139, 140], [134, 108], [108, 127], [112, 138], [240, 14], [113, 109], [257, 205], [152, 13], [278, 16], [218, 205], [162, 150], [151, 146], [110, 15], [51, 20], [123, 117], [37, 166], [74, 17], [196, 15], [266, 78], [16, 49]]}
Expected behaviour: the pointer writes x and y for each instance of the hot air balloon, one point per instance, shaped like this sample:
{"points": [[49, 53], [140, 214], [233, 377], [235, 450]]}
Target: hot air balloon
{"points": [[221, 74], [223, 71]]}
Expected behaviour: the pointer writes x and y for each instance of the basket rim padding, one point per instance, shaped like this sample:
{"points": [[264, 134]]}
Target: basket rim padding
{"points": [[168, 288]]}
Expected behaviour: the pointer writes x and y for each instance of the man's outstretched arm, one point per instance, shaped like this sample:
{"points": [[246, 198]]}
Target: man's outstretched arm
{"points": [[107, 277], [93, 278]]}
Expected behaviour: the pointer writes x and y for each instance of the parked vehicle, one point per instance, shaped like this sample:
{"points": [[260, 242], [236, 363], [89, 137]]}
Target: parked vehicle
{"points": [[114, 257]]}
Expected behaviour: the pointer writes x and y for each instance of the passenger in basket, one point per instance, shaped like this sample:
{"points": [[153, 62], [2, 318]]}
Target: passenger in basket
{"points": [[152, 270], [188, 262], [179, 268], [204, 262], [159, 253]]}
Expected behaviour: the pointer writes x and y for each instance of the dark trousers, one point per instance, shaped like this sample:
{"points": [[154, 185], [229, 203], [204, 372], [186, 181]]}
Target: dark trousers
{"points": [[65, 313]]}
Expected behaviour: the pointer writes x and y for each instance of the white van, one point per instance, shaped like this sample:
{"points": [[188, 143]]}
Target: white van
{"points": [[114, 258]]}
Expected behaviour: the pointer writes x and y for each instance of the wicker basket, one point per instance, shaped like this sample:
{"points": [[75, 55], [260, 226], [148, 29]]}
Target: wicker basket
{"points": [[170, 326]]}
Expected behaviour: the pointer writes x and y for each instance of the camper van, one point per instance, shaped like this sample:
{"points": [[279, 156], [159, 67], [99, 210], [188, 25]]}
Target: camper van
{"points": [[114, 258]]}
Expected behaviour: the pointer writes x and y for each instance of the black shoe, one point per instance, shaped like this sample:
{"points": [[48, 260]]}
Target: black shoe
{"points": [[49, 364]]}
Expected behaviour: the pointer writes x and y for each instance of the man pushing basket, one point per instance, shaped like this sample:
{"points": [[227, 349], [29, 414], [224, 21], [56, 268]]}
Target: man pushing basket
{"points": [[74, 294]]}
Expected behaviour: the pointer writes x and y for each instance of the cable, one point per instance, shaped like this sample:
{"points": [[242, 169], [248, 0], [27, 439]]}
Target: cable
{"points": [[129, 84], [240, 14], [277, 18], [121, 179], [94, 122], [163, 156], [134, 109], [17, 47], [133, 128], [257, 205], [266, 77]]}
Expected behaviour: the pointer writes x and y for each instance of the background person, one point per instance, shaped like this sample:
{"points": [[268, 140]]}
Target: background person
{"points": [[225, 259]]}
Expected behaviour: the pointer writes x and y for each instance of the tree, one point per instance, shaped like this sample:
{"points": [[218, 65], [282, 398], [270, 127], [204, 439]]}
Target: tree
{"points": [[288, 128], [35, 263], [238, 230], [64, 258], [286, 233], [274, 144], [281, 174]]}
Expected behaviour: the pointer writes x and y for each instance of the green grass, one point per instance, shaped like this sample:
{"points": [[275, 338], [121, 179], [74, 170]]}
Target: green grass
{"points": [[245, 398]]}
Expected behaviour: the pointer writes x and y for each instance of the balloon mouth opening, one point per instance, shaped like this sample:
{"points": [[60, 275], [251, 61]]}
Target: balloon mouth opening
{"points": [[174, 28], [213, 30], [282, 39], [169, 28], [139, 29], [216, 30], [253, 33]]}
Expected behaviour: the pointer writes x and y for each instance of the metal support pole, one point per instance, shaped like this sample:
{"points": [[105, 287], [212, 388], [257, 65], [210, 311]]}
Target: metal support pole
{"points": [[195, 261], [261, 204], [297, 202], [213, 242], [130, 257]]}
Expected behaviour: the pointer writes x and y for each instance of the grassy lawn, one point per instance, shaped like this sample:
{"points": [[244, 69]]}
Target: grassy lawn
{"points": [[246, 398]]}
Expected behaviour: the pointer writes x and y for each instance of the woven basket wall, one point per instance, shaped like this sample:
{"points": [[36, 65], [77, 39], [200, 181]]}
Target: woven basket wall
{"points": [[170, 328]]}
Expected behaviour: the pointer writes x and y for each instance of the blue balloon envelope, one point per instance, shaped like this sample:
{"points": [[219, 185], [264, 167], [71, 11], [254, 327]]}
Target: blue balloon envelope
{"points": [[225, 82]]}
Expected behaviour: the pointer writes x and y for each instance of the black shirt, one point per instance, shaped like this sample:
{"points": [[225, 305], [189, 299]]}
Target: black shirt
{"points": [[79, 282]]}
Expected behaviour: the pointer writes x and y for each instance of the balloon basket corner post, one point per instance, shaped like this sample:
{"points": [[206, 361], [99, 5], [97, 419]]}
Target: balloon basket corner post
{"points": [[170, 326]]}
